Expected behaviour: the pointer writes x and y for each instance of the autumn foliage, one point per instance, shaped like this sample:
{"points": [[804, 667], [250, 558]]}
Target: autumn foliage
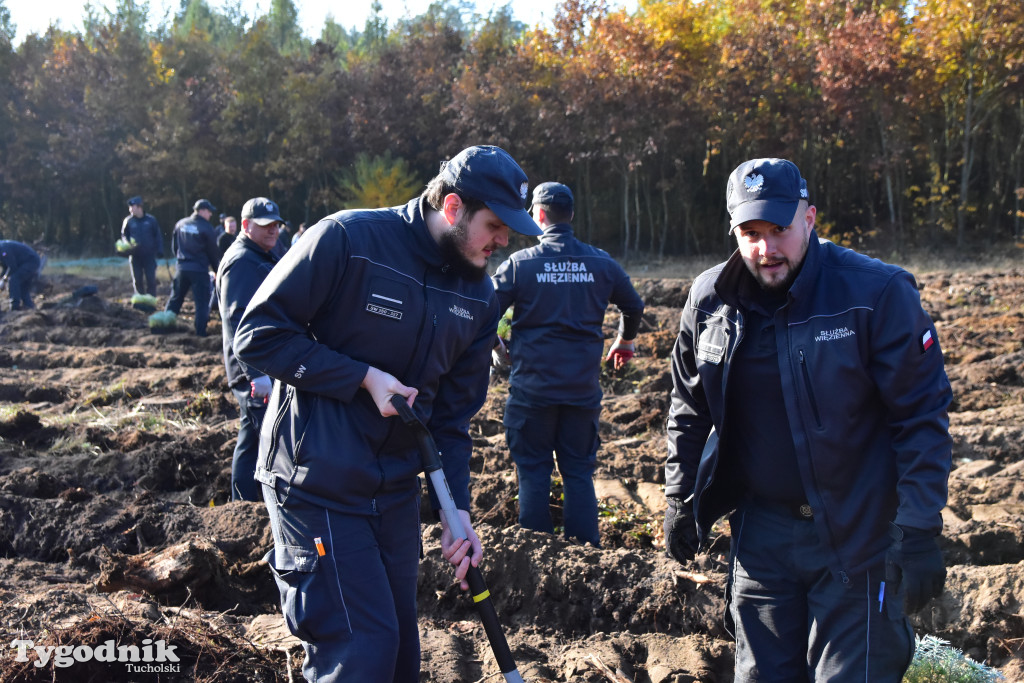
{"points": [[906, 119]]}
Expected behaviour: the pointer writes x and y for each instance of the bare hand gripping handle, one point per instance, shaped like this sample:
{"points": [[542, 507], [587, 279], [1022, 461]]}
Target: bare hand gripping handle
{"points": [[477, 586]]}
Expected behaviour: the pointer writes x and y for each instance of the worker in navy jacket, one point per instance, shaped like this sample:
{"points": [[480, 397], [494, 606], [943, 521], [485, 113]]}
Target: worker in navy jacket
{"points": [[559, 291], [195, 246], [19, 269], [368, 305], [809, 400], [244, 266], [142, 229]]}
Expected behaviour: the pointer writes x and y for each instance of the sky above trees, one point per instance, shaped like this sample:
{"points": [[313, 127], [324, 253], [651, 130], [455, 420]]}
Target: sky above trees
{"points": [[32, 16]]}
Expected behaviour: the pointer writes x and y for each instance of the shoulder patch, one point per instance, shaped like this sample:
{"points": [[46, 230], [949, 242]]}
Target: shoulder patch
{"points": [[927, 340]]}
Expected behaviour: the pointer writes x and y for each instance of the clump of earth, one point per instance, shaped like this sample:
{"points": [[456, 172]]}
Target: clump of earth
{"points": [[115, 524]]}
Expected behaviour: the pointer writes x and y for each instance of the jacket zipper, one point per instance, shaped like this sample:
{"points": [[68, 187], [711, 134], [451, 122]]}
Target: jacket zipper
{"points": [[405, 373], [430, 344], [702, 543], [283, 410], [805, 371], [419, 330]]}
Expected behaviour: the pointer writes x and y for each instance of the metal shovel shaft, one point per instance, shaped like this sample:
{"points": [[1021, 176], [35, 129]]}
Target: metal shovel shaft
{"points": [[477, 585]]}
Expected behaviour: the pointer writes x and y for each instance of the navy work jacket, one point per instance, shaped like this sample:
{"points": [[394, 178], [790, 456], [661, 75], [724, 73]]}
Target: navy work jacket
{"points": [[195, 244], [146, 233], [560, 290], [366, 288], [15, 257], [866, 398], [244, 267]]}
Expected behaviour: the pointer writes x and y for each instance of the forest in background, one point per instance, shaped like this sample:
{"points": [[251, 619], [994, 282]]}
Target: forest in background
{"points": [[906, 118]]}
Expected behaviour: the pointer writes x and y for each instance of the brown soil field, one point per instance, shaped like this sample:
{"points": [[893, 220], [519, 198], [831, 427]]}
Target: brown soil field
{"points": [[115, 453]]}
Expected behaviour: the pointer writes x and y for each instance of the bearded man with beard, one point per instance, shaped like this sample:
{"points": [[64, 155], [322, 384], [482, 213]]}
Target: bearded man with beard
{"points": [[368, 305], [809, 403]]}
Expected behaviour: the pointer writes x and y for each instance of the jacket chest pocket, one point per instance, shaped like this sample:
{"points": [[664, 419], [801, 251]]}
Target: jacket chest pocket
{"points": [[388, 299], [712, 343]]}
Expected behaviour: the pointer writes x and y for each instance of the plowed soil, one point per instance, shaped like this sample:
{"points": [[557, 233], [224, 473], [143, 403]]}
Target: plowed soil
{"points": [[115, 453]]}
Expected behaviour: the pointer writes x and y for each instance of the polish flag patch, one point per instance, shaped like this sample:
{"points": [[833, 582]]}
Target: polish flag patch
{"points": [[927, 340]]}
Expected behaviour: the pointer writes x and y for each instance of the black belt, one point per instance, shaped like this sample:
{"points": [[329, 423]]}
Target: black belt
{"points": [[797, 510]]}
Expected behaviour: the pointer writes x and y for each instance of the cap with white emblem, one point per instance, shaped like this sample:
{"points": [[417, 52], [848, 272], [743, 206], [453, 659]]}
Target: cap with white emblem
{"points": [[490, 175], [765, 189]]}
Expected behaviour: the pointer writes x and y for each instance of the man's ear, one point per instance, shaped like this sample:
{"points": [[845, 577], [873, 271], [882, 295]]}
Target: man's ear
{"points": [[451, 207]]}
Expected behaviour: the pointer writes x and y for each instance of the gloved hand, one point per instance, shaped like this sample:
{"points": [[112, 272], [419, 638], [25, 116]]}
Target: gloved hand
{"points": [[3, 283], [500, 357], [914, 561], [680, 530], [261, 387], [620, 353]]}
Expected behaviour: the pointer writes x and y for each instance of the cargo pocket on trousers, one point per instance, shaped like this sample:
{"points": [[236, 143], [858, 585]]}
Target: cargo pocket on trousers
{"points": [[890, 637], [514, 417], [311, 600], [901, 632]]}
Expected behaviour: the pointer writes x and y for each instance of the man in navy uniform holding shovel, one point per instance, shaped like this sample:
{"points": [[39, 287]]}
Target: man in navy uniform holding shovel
{"points": [[368, 305], [809, 397]]}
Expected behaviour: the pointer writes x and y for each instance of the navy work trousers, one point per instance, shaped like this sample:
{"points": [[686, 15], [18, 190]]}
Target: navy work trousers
{"points": [[348, 588], [537, 437], [19, 285], [247, 448], [795, 622], [199, 283], [143, 273]]}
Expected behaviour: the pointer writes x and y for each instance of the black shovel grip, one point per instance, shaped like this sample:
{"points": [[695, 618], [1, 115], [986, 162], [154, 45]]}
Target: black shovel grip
{"points": [[428, 449], [477, 586]]}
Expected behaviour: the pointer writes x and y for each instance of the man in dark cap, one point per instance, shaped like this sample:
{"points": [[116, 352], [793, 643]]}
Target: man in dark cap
{"points": [[243, 267], [19, 269], [371, 304], [560, 290], [142, 229], [195, 247], [809, 399]]}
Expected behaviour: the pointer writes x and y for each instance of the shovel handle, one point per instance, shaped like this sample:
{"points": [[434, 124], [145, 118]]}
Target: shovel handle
{"points": [[477, 586]]}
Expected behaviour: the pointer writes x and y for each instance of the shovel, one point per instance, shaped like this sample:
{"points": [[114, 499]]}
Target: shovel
{"points": [[477, 586]]}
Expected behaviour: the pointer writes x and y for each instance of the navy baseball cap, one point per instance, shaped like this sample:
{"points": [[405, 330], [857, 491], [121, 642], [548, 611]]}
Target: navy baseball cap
{"points": [[261, 211], [204, 204], [490, 175], [553, 194], [135, 200], [764, 189]]}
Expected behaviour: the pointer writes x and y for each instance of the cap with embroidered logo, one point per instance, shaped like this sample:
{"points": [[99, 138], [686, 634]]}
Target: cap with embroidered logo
{"points": [[765, 189], [490, 175], [261, 211], [135, 200]]}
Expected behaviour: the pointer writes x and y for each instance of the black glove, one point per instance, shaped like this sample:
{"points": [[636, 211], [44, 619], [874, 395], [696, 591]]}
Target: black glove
{"points": [[680, 530], [914, 562]]}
